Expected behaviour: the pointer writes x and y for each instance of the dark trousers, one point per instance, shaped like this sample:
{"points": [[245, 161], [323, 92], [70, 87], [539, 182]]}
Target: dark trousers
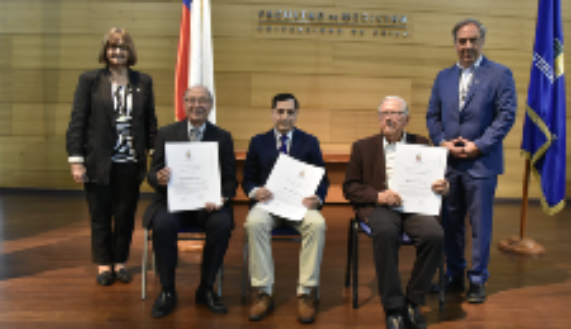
{"points": [[426, 235], [473, 196], [218, 226], [112, 209]]}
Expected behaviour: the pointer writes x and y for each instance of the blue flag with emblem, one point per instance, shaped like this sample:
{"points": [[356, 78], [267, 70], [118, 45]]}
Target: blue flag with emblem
{"points": [[544, 134]]}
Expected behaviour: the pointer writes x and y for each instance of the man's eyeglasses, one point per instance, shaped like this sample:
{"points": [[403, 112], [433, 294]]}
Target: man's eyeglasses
{"points": [[391, 114], [200, 101], [118, 47], [289, 112]]}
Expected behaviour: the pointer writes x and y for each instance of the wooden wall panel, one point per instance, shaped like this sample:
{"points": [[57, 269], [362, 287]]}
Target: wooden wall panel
{"points": [[338, 78], [328, 91], [5, 119]]}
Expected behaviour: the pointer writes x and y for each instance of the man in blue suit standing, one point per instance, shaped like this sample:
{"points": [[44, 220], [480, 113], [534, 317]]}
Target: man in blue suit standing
{"points": [[471, 110], [263, 152]]}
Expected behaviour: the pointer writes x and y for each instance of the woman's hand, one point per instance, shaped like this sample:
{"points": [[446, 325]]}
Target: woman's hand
{"points": [[79, 173]]}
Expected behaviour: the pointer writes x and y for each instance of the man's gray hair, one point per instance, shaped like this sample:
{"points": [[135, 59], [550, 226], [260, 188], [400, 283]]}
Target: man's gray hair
{"points": [[200, 86], [404, 106], [467, 21]]}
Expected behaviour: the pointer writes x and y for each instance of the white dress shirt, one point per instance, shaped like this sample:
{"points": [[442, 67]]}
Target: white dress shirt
{"points": [[390, 150], [466, 78]]}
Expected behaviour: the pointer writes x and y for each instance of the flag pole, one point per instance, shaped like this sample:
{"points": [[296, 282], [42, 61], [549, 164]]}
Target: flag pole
{"points": [[521, 244], [524, 200]]}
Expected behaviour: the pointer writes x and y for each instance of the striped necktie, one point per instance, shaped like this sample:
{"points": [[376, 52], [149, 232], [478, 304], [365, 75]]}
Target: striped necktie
{"points": [[194, 135], [283, 146]]}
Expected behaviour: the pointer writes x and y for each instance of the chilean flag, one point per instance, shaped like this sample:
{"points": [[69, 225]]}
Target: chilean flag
{"points": [[194, 63]]}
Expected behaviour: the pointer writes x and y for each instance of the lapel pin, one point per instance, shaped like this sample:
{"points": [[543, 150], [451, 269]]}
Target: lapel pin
{"points": [[139, 89]]}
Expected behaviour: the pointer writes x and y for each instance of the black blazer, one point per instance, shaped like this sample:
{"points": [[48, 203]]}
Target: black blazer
{"points": [[263, 154], [92, 132], [178, 132]]}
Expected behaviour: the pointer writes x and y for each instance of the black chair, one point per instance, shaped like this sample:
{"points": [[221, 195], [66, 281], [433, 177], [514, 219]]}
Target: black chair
{"points": [[280, 233], [352, 272], [187, 233]]}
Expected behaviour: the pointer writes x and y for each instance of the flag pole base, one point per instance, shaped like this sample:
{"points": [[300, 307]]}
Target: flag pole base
{"points": [[520, 246]]}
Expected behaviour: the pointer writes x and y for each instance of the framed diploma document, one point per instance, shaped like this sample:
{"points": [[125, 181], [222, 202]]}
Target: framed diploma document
{"points": [[416, 168], [290, 182], [195, 175]]}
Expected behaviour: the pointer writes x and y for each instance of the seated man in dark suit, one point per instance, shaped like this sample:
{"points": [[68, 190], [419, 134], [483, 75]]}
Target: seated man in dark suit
{"points": [[367, 186], [216, 220], [262, 154]]}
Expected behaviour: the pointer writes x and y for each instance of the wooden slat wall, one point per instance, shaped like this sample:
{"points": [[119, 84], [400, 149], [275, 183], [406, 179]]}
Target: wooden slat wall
{"points": [[339, 79]]}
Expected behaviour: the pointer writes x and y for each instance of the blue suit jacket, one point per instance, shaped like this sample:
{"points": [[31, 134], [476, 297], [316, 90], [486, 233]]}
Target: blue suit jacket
{"points": [[263, 153], [487, 116]]}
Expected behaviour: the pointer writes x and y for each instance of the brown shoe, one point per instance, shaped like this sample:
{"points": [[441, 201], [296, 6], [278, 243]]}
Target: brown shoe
{"points": [[307, 308], [262, 306]]}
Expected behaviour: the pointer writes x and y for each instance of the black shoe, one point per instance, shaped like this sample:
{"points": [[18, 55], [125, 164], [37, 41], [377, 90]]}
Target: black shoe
{"points": [[413, 317], [105, 278], [210, 299], [476, 293], [123, 276], [451, 284], [395, 321], [164, 304]]}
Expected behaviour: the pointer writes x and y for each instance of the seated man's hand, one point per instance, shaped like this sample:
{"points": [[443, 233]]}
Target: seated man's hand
{"points": [[163, 176], [311, 202], [389, 198], [211, 206], [441, 187], [263, 194]]}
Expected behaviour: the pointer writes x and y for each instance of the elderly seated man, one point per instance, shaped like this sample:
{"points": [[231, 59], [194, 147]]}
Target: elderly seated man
{"points": [[368, 186]]}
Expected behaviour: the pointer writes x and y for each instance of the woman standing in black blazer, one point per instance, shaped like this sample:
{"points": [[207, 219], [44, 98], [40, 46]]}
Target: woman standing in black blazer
{"points": [[112, 127]]}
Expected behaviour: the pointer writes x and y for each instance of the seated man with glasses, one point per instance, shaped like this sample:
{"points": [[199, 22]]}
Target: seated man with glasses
{"points": [[217, 220], [262, 154], [368, 186]]}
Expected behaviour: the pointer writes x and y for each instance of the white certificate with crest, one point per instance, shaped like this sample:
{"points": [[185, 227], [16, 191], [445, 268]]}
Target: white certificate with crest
{"points": [[290, 182], [416, 167], [195, 175]]}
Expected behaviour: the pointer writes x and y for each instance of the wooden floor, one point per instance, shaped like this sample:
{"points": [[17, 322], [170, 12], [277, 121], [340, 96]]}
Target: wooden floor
{"points": [[48, 281]]}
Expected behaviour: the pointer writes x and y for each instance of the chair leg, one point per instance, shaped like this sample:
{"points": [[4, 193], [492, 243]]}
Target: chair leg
{"points": [[144, 265], [441, 291], [245, 271], [355, 231], [349, 254]]}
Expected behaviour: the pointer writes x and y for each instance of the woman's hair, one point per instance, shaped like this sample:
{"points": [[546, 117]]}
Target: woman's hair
{"points": [[115, 36]]}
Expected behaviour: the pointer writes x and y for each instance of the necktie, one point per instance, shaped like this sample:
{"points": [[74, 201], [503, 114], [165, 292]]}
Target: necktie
{"points": [[194, 135], [283, 146]]}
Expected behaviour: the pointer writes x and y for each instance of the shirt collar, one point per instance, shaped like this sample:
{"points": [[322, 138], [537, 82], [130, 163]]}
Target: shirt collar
{"points": [[200, 129], [473, 67], [279, 135], [403, 140]]}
